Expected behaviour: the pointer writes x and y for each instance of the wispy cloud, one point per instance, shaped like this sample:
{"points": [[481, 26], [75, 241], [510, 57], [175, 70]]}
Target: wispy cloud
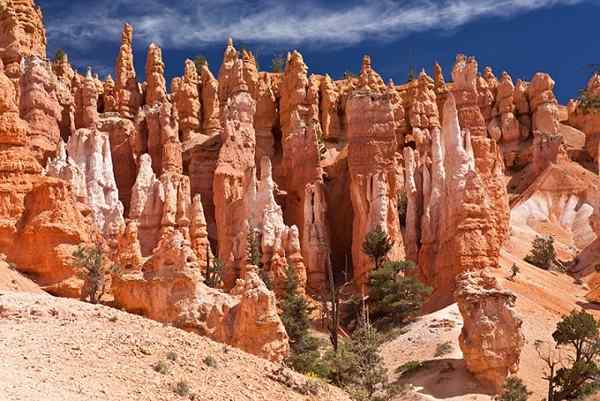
{"points": [[192, 24]]}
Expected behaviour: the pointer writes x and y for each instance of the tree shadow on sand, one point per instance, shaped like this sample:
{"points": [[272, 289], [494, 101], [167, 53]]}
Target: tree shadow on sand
{"points": [[443, 378]]}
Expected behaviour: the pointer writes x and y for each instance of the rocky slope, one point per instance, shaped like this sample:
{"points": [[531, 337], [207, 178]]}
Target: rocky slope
{"points": [[110, 355], [289, 170]]}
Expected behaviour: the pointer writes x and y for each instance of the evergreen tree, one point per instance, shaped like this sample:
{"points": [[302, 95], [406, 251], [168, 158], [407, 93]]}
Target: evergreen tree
{"points": [[90, 259], [576, 376], [60, 55], [376, 245], [393, 295], [542, 253], [278, 63], [200, 61], [513, 390], [214, 271], [514, 270], [295, 315], [366, 376]]}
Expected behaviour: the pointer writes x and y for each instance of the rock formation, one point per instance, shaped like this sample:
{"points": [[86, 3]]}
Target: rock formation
{"points": [[156, 87], [169, 289], [39, 106], [373, 168], [303, 174], [491, 339], [23, 34], [186, 100], [128, 95], [234, 178], [40, 223]]}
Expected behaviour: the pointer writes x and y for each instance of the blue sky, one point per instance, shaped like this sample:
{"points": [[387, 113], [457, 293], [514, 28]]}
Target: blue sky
{"points": [[519, 36]]}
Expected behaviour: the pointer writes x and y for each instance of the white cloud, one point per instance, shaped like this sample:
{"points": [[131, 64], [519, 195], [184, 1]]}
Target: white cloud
{"points": [[196, 23]]}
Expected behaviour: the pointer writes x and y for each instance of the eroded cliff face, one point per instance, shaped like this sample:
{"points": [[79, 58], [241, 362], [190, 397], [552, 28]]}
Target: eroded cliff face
{"points": [[373, 168], [305, 164]]}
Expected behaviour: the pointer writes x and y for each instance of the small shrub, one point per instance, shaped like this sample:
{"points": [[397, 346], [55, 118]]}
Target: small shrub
{"points": [[542, 253], [278, 63], [91, 260], [410, 368], [443, 349], [59, 56], [172, 356], [182, 388], [161, 367], [402, 206], [514, 271], [200, 61], [376, 245], [210, 361], [513, 390]]}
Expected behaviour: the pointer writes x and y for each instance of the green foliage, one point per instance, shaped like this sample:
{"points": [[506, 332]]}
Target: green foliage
{"points": [[295, 315], [410, 367], [161, 367], [253, 244], [210, 361], [402, 207], [577, 376], [349, 75], [393, 296], [214, 271], [90, 259], [376, 245], [200, 61], [514, 271], [588, 103], [278, 63], [369, 379], [443, 349], [60, 55], [412, 74], [513, 390], [182, 388], [542, 253]]}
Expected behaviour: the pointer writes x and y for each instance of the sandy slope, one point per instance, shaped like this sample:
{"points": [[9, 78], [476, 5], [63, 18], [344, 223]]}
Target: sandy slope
{"points": [[63, 350], [542, 298]]}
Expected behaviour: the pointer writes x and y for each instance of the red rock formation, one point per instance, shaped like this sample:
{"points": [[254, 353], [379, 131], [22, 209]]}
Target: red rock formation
{"points": [[186, 100], [488, 157], [544, 106], [156, 86], [128, 94], [125, 148], [423, 114], [169, 289], [234, 177], [586, 119], [373, 168], [303, 175], [211, 109], [22, 34], [491, 339], [330, 107], [39, 106], [261, 89]]}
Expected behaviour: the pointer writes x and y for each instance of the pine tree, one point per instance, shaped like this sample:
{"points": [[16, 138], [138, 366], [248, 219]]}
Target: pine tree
{"points": [[200, 61], [376, 245], [513, 390], [278, 63], [295, 315], [214, 271], [393, 295], [90, 259], [542, 253]]}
